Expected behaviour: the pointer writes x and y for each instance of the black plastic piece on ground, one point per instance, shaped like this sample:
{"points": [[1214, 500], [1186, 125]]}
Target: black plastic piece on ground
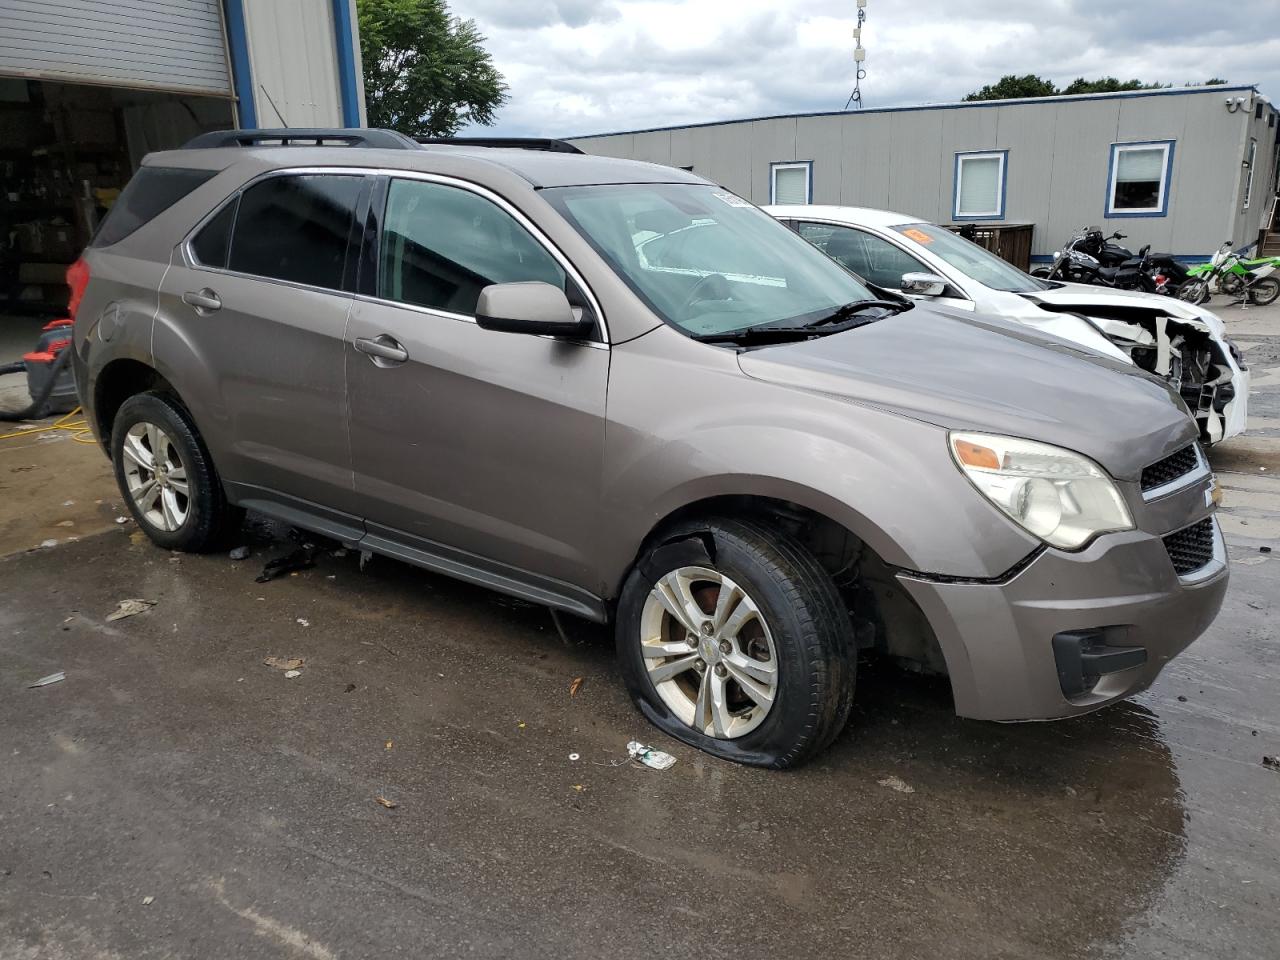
{"points": [[370, 137], [545, 144], [1084, 658], [304, 558]]}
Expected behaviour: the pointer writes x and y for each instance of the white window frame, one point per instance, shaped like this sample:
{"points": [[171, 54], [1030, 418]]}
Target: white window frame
{"points": [[1166, 175], [1002, 182], [1248, 183], [805, 165]]}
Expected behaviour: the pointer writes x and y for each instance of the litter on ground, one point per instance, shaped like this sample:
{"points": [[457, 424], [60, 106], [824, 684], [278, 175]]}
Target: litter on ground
{"points": [[284, 663], [896, 783], [45, 681], [239, 553], [130, 608], [389, 804], [650, 757], [290, 674], [304, 558]]}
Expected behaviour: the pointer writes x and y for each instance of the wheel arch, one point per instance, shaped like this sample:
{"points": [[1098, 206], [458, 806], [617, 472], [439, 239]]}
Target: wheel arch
{"points": [[119, 380]]}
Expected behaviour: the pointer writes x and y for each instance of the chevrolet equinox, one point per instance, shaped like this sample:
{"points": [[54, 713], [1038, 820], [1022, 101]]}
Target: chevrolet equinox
{"points": [[621, 391]]}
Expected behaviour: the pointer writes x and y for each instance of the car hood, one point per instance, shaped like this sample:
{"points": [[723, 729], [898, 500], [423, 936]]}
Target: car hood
{"points": [[1080, 297], [986, 374]]}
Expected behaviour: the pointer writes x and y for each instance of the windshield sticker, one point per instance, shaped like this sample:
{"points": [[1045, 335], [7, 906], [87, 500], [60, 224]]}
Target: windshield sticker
{"points": [[732, 199], [919, 236]]}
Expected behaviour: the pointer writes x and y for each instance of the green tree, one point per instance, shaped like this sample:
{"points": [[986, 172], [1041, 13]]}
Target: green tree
{"points": [[426, 73], [1108, 85], [1011, 87]]}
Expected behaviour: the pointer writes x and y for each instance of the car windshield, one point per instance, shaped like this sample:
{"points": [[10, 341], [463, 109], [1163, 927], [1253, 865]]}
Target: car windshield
{"points": [[705, 260], [971, 259]]}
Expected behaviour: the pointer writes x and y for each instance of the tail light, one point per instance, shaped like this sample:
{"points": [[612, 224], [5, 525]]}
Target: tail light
{"points": [[77, 280]]}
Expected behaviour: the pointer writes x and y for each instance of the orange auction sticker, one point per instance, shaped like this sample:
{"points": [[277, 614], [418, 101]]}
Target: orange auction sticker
{"points": [[919, 236]]}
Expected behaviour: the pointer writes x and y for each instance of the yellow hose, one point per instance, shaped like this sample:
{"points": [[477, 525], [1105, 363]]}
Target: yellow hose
{"points": [[79, 429]]}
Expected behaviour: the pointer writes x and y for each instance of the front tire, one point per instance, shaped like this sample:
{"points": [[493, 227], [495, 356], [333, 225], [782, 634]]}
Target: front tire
{"points": [[166, 476], [744, 650], [1195, 291]]}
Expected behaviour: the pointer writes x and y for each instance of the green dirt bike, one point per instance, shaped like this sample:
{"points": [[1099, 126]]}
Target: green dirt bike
{"points": [[1228, 272]]}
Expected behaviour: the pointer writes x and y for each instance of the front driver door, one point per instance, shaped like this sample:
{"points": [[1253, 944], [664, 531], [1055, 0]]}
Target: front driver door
{"points": [[477, 446]]}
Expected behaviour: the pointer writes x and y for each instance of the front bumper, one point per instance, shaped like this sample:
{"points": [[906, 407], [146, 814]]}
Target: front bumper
{"points": [[997, 638]]}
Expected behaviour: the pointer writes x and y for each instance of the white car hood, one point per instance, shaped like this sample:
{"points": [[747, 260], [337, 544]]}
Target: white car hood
{"points": [[1080, 297]]}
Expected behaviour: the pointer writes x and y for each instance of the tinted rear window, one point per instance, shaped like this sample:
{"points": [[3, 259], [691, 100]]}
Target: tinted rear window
{"points": [[152, 191], [296, 228]]}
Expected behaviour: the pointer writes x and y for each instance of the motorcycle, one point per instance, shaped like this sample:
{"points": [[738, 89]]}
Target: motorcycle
{"points": [[1075, 264], [1230, 273]]}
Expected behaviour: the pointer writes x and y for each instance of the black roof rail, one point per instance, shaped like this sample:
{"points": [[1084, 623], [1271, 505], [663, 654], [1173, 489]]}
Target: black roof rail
{"points": [[304, 137], [515, 143]]}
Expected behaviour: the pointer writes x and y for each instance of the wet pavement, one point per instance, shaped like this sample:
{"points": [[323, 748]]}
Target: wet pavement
{"points": [[173, 764]]}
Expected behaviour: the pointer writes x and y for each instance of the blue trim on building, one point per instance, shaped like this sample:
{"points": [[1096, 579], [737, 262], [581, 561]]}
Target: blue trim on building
{"points": [[973, 105], [241, 73], [1164, 193], [347, 74], [1004, 185], [808, 192]]}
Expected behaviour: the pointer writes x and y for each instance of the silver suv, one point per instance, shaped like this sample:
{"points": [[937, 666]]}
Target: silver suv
{"points": [[624, 392]]}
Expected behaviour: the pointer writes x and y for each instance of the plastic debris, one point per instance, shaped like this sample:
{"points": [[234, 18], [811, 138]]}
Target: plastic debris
{"points": [[290, 674], [130, 608], [46, 544], [239, 553], [122, 519], [573, 756], [650, 757], [1271, 761], [365, 557], [1264, 549], [303, 622], [148, 901], [388, 745], [284, 663], [389, 804], [896, 783], [575, 686], [304, 558], [45, 681]]}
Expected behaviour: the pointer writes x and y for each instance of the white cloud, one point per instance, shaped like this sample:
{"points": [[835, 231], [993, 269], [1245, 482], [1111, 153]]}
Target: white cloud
{"points": [[580, 66]]}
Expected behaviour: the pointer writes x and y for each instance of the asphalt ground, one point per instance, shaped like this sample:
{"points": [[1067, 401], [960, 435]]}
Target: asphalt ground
{"points": [[174, 796]]}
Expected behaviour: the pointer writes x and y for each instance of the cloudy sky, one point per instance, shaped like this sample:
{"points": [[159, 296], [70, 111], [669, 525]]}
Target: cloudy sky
{"points": [[594, 66]]}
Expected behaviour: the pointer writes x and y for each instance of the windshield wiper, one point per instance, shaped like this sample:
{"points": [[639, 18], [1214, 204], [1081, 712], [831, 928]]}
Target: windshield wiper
{"points": [[857, 307]]}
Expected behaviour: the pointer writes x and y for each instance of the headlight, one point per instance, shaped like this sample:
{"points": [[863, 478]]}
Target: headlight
{"points": [[1063, 498]]}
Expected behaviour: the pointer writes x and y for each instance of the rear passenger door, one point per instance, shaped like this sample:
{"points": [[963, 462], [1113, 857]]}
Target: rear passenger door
{"points": [[481, 446], [253, 311]]}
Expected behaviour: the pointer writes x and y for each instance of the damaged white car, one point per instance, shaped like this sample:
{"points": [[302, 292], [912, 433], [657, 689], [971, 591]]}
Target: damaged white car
{"points": [[1179, 341]]}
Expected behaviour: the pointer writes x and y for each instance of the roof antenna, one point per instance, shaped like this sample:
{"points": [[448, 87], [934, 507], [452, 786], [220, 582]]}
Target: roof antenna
{"points": [[266, 93], [859, 57]]}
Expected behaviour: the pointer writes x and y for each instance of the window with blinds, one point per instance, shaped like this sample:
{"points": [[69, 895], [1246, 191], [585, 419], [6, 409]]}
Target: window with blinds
{"points": [[979, 187], [791, 182], [1139, 179]]}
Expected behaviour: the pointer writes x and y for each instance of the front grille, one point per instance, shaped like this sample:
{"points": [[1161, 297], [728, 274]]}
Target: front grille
{"points": [[1172, 467], [1191, 547]]}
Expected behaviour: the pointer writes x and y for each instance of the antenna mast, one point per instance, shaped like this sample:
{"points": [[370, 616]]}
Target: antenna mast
{"points": [[859, 58]]}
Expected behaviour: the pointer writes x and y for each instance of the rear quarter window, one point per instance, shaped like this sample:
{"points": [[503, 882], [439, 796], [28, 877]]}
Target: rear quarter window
{"points": [[151, 192]]}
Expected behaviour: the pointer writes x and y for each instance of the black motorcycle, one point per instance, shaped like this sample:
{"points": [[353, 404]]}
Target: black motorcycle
{"points": [[1088, 257]]}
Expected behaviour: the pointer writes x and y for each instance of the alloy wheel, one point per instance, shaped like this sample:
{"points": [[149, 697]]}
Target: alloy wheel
{"points": [[709, 652], [156, 476]]}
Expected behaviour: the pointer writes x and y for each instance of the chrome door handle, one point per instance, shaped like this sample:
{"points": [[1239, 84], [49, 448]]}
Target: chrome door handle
{"points": [[205, 301], [383, 348]]}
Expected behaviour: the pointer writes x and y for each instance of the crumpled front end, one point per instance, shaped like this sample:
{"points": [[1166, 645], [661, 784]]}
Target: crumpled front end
{"points": [[1192, 352]]}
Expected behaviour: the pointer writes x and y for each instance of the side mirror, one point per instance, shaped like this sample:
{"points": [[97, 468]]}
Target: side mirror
{"points": [[532, 307], [923, 284]]}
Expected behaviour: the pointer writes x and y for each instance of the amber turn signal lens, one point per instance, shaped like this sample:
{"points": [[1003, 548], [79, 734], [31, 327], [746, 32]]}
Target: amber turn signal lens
{"points": [[975, 455]]}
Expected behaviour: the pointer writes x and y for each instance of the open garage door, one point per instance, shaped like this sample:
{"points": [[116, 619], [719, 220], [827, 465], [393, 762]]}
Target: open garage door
{"points": [[170, 45]]}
